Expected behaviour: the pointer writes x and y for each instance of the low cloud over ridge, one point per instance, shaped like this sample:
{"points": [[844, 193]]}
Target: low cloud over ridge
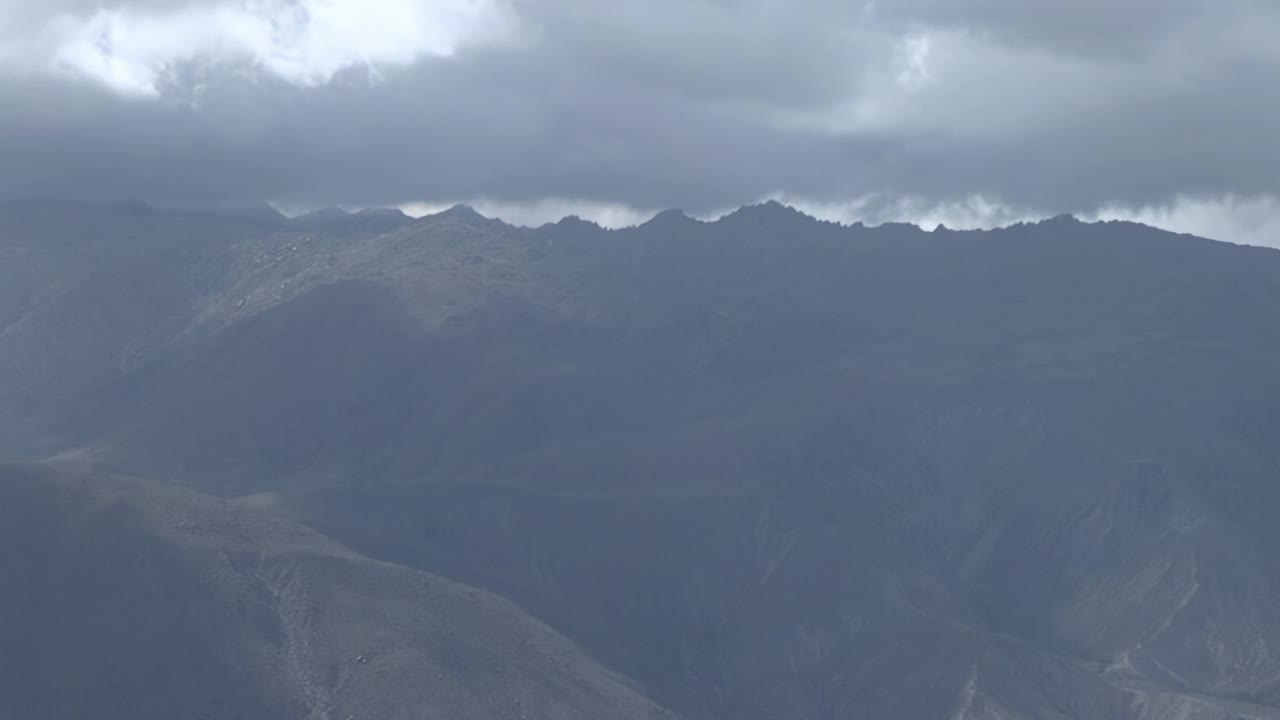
{"points": [[1033, 108]]}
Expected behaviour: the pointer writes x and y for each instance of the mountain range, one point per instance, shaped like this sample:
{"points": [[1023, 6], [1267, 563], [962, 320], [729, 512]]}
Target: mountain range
{"points": [[765, 467]]}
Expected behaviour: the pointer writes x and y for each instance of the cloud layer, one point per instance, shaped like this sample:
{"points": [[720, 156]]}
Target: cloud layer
{"points": [[139, 49], [979, 112]]}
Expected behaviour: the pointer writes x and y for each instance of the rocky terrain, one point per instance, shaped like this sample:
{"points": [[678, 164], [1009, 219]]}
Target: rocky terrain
{"points": [[135, 599]]}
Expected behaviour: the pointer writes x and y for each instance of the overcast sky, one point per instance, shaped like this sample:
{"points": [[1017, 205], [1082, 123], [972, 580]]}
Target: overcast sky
{"points": [[968, 112]]}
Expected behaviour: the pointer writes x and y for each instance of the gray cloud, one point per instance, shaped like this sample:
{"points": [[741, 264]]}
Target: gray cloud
{"points": [[1031, 105]]}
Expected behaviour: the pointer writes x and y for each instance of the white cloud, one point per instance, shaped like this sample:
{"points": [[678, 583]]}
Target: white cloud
{"points": [[418, 209], [970, 213], [132, 49], [1251, 220], [550, 210], [913, 60]]}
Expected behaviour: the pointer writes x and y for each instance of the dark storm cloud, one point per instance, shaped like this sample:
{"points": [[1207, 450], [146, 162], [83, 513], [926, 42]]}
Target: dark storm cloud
{"points": [[1047, 106]]}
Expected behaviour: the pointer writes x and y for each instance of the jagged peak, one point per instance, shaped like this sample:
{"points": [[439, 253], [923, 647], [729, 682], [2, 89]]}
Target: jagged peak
{"points": [[674, 216], [766, 211], [571, 221], [461, 213]]}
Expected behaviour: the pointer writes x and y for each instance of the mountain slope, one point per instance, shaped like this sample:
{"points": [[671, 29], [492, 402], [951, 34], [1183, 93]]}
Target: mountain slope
{"points": [[130, 599], [766, 466]]}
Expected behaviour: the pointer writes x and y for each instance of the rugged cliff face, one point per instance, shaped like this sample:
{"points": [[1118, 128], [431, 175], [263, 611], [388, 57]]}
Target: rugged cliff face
{"points": [[763, 467]]}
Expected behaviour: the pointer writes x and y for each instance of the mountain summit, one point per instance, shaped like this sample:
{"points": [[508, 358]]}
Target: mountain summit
{"points": [[462, 214]]}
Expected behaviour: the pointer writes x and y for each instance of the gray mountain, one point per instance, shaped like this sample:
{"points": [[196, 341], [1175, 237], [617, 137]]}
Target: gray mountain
{"points": [[763, 467]]}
